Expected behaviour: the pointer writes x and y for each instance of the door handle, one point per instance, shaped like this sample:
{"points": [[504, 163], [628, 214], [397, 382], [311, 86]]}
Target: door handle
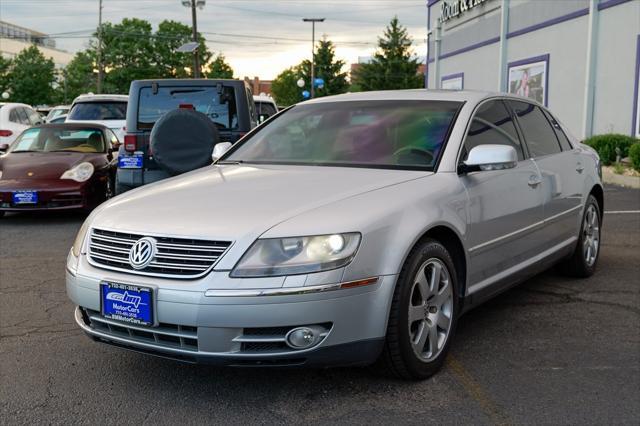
{"points": [[579, 168], [534, 181]]}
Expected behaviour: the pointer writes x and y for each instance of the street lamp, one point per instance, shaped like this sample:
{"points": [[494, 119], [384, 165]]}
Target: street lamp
{"points": [[313, 47], [194, 24]]}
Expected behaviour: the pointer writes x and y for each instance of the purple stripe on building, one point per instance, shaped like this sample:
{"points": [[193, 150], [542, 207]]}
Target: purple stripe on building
{"points": [[636, 91], [610, 3]]}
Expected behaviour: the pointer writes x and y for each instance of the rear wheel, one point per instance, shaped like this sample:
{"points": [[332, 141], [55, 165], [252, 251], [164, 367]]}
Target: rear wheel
{"points": [[423, 313], [583, 262]]}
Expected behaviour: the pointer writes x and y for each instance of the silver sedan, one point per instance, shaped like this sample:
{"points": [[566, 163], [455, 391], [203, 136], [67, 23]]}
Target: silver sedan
{"points": [[343, 231]]}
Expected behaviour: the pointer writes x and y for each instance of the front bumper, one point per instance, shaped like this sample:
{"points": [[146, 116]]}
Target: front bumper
{"points": [[247, 331], [52, 195]]}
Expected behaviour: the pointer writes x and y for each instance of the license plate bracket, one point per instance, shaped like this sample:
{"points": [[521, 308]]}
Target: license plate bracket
{"points": [[127, 303]]}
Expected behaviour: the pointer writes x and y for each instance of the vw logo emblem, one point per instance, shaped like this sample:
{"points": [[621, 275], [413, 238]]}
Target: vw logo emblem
{"points": [[142, 252]]}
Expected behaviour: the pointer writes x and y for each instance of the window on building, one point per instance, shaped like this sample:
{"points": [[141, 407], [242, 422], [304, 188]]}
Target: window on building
{"points": [[538, 133], [492, 124]]}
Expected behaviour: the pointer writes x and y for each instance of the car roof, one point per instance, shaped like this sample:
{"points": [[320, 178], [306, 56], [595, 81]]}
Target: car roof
{"points": [[473, 96], [96, 98], [263, 98], [71, 126], [187, 82]]}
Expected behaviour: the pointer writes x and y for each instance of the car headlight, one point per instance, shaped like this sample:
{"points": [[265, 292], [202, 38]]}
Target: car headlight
{"points": [[79, 173], [297, 255], [82, 233]]}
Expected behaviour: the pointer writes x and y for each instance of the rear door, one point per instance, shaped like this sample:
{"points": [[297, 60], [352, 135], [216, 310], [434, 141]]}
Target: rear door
{"points": [[560, 170], [505, 209]]}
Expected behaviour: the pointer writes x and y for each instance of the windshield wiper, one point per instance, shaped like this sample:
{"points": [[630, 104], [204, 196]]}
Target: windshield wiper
{"points": [[230, 162]]}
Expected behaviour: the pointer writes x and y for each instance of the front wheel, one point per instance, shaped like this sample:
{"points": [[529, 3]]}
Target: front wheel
{"points": [[423, 313]]}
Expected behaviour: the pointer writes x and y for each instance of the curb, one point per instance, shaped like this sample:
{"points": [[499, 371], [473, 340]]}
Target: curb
{"points": [[629, 181]]}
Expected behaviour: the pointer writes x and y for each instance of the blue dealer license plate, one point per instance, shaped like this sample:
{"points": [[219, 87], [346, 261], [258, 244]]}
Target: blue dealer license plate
{"points": [[25, 197], [130, 161], [128, 303]]}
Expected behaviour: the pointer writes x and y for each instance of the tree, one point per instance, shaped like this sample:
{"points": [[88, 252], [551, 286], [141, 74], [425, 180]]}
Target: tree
{"points": [[326, 67], [285, 89], [167, 39], [31, 77], [219, 68], [127, 54], [5, 68], [78, 77], [393, 66]]}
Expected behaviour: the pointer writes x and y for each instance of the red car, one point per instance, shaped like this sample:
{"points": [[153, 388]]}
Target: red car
{"points": [[58, 167]]}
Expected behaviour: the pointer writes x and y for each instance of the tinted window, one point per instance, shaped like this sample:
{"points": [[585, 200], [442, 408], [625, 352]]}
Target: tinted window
{"points": [[13, 116], [265, 110], [23, 117], [538, 133], [220, 107], [492, 124], [98, 111], [562, 137], [372, 133]]}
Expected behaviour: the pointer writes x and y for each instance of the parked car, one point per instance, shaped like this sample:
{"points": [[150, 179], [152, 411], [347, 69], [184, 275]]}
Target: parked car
{"points": [[58, 119], [56, 112], [58, 167], [345, 230], [265, 107], [108, 110], [173, 125], [14, 118]]}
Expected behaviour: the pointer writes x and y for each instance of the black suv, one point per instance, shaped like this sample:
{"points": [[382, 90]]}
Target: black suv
{"points": [[167, 133]]}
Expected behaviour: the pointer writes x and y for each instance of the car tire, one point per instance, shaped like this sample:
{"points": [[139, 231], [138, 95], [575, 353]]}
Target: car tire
{"points": [[120, 188], [423, 315], [583, 261]]}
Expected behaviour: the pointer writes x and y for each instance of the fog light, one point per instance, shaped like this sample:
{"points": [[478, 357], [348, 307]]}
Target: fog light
{"points": [[302, 337]]}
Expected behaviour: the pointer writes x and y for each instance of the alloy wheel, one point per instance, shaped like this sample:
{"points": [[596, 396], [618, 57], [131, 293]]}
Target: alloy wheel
{"points": [[430, 309], [590, 235]]}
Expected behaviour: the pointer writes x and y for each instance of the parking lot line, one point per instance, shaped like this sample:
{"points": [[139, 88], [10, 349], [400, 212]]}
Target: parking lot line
{"points": [[622, 212], [477, 392]]}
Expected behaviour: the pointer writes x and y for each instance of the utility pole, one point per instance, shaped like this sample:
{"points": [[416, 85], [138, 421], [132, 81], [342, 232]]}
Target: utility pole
{"points": [[194, 25], [99, 82], [313, 49]]}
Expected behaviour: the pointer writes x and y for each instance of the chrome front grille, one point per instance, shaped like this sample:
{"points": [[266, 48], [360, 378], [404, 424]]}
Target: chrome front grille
{"points": [[175, 257]]}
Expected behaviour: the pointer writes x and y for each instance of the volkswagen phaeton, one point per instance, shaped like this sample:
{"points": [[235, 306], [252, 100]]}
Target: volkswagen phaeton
{"points": [[346, 230]]}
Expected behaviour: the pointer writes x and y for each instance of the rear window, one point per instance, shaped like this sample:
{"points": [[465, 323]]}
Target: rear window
{"points": [[265, 109], [98, 111], [219, 104]]}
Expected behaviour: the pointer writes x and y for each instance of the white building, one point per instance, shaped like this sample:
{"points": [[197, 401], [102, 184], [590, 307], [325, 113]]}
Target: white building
{"points": [[581, 58], [14, 39]]}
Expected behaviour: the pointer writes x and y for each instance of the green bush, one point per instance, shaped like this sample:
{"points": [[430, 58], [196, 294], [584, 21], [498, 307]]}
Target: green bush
{"points": [[606, 146], [634, 155]]}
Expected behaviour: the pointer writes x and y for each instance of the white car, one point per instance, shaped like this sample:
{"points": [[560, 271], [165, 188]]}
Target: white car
{"points": [[265, 107], [14, 118], [56, 112], [108, 110]]}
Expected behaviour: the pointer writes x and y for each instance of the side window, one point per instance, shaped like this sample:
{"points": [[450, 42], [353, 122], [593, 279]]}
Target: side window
{"points": [[562, 137], [23, 117], [13, 116], [34, 117], [252, 107], [113, 139], [538, 133], [492, 124]]}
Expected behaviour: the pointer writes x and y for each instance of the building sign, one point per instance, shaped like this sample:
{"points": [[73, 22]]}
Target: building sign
{"points": [[453, 9]]}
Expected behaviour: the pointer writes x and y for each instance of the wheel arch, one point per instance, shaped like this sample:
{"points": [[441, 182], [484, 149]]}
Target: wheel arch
{"points": [[598, 193]]}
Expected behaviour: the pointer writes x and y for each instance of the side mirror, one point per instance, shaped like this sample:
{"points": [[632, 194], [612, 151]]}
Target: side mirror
{"points": [[4, 147], [489, 157], [219, 150]]}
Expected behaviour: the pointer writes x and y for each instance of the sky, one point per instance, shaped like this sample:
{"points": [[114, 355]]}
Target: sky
{"points": [[240, 29]]}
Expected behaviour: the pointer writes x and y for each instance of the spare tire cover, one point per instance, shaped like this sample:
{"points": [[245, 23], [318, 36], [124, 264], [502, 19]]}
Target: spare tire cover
{"points": [[182, 140]]}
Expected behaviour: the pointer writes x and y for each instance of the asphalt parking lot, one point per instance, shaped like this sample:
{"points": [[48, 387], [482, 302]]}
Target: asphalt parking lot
{"points": [[553, 350]]}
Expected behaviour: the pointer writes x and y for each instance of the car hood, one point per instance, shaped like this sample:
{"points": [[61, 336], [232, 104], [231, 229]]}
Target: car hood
{"points": [[238, 202], [40, 165]]}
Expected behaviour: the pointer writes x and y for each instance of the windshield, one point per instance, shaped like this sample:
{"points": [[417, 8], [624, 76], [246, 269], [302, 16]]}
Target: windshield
{"points": [[98, 111], [218, 105], [41, 139], [389, 134], [56, 112]]}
